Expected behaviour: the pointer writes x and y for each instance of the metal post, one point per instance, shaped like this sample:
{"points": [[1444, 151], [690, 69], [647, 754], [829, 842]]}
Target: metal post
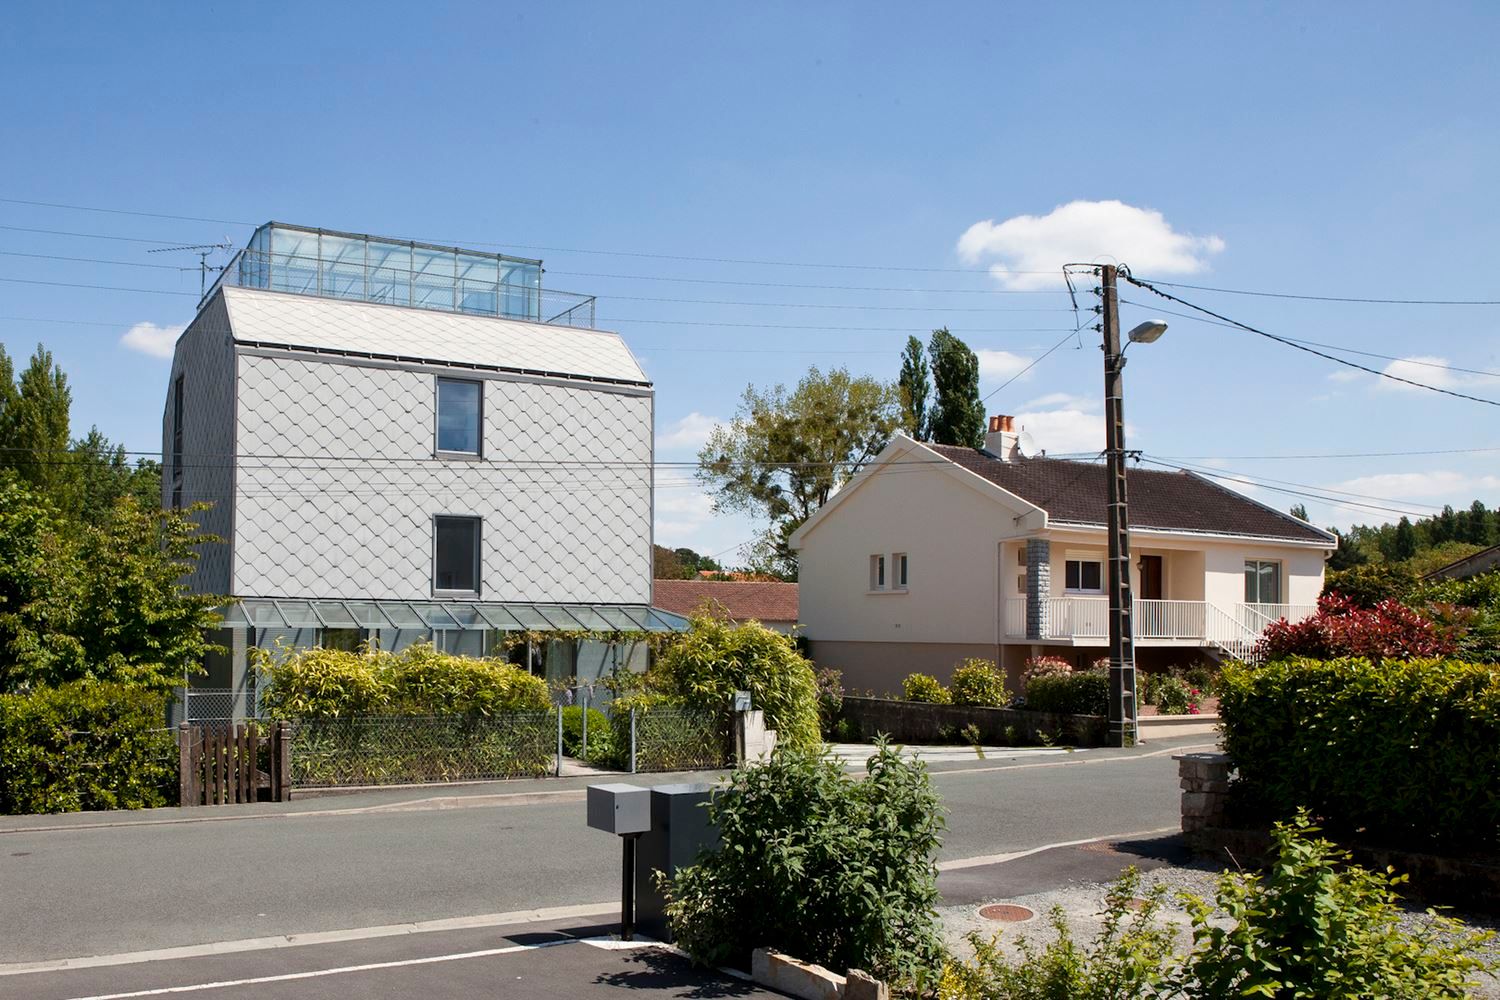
{"points": [[584, 701], [627, 885], [559, 741], [1122, 707], [632, 740]]}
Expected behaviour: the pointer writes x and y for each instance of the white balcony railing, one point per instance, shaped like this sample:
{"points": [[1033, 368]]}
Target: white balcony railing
{"points": [[1088, 618]]}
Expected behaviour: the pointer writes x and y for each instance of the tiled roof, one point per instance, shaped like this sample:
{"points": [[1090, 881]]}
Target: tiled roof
{"points": [[423, 335], [1077, 493], [765, 602]]}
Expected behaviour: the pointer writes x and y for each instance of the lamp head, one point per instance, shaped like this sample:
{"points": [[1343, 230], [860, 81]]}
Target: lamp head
{"points": [[1148, 332]]}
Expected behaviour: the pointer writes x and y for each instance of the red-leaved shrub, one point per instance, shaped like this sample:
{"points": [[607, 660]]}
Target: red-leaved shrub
{"points": [[1389, 630]]}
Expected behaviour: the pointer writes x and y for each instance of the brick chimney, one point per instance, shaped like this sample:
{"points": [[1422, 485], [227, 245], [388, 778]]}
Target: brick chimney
{"points": [[1001, 439]]}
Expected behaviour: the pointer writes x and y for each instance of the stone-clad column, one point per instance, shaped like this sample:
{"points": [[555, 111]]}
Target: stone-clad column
{"points": [[1038, 586]]}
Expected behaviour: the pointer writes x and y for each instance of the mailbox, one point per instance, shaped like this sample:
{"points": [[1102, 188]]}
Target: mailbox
{"points": [[621, 809], [742, 701]]}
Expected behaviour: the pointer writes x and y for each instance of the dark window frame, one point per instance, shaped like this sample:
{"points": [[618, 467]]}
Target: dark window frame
{"points": [[478, 523], [437, 419]]}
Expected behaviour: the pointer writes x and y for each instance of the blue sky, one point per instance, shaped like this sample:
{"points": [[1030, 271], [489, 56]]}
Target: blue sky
{"points": [[1332, 149]]}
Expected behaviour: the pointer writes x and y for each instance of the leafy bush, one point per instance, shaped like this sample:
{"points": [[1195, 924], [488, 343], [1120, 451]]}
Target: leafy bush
{"points": [[86, 745], [716, 658], [1407, 751], [1079, 692], [977, 682], [1368, 585], [601, 737], [924, 688], [419, 680], [1312, 927], [819, 864], [830, 685], [1171, 695], [1202, 676], [1339, 628], [1045, 666], [1316, 926]]}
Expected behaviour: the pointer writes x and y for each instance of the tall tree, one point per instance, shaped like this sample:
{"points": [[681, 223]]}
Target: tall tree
{"points": [[915, 387], [34, 435], [1299, 511], [957, 413], [1477, 524], [1404, 543], [785, 453]]}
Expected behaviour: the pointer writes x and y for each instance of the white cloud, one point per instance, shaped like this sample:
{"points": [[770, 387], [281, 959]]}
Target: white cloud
{"points": [[1345, 375], [1429, 370], [148, 338], [1054, 400], [1000, 364], [1083, 232], [1438, 484], [689, 433]]}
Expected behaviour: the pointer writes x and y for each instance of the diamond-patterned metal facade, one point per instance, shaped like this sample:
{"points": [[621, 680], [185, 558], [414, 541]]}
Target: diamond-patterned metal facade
{"points": [[205, 359], [334, 480]]}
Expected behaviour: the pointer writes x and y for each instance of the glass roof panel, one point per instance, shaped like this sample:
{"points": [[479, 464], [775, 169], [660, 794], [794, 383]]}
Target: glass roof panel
{"points": [[590, 618], [335, 614], [621, 620], [366, 614], [263, 614], [299, 614], [466, 615], [666, 621], [499, 616], [531, 619], [401, 615], [233, 615], [560, 618], [436, 616]]}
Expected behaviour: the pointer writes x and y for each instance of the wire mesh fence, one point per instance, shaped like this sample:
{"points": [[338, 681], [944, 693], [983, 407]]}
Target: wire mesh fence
{"points": [[671, 738], [404, 750]]}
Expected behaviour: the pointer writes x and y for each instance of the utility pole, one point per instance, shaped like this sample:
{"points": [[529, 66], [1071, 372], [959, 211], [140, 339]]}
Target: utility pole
{"points": [[1122, 704]]}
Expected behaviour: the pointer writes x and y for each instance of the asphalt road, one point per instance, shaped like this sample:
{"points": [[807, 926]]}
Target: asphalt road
{"points": [[84, 885]]}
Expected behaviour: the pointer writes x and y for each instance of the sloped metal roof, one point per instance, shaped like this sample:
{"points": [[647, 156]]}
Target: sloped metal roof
{"points": [[364, 329]]}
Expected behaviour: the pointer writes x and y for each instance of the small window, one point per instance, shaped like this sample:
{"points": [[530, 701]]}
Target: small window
{"points": [[877, 572], [1262, 582], [177, 497], [455, 561], [459, 413], [177, 429], [1020, 555], [900, 568], [1084, 576]]}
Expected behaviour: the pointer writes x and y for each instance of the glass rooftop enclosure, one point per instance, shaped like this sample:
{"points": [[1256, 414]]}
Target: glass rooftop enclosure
{"points": [[302, 261]]}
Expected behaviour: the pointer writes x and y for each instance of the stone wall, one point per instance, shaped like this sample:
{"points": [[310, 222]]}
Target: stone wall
{"points": [[918, 722]]}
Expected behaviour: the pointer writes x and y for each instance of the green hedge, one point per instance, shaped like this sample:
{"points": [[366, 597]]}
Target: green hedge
{"points": [[1082, 692], [417, 681], [86, 745], [1406, 753]]}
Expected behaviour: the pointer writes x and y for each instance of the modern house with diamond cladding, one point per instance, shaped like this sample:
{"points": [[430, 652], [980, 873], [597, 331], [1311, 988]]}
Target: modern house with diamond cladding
{"points": [[402, 443]]}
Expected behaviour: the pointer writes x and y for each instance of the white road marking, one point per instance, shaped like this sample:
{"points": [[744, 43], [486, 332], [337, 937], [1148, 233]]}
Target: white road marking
{"points": [[1077, 759], [317, 937], [344, 970], [998, 859]]}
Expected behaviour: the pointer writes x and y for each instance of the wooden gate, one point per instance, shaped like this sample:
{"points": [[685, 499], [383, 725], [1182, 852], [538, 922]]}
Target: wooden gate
{"points": [[219, 764]]}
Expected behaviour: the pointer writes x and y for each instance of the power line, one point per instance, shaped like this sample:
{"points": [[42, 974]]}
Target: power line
{"points": [[1246, 481], [1333, 298], [1263, 480], [1315, 343], [1326, 455], [1066, 337], [1302, 347]]}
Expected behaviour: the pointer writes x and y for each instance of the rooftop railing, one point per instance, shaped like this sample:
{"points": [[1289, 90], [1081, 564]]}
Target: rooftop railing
{"points": [[369, 269]]}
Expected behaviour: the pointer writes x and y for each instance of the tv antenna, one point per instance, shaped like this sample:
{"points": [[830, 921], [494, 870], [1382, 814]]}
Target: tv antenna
{"points": [[204, 251]]}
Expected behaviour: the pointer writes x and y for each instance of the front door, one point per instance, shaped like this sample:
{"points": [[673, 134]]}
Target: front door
{"points": [[1150, 578]]}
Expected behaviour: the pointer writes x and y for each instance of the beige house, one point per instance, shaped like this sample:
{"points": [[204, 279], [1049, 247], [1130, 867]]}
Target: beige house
{"points": [[935, 553]]}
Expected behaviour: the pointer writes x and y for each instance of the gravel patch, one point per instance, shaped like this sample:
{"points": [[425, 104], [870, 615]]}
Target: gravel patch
{"points": [[1083, 904]]}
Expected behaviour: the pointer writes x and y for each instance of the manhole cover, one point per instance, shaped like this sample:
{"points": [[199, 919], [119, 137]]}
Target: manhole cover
{"points": [[1007, 912]]}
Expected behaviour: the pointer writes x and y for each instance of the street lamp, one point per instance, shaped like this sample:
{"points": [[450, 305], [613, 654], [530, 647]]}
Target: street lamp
{"points": [[1123, 712]]}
